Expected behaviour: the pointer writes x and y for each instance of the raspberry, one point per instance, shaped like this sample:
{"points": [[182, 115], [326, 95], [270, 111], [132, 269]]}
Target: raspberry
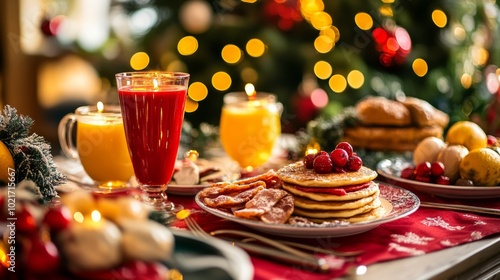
{"points": [[308, 161], [437, 168], [322, 164], [339, 157], [346, 147], [321, 153], [354, 163], [338, 169], [443, 180]]}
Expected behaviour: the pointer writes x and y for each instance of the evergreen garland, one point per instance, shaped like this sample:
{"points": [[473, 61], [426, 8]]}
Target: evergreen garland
{"points": [[31, 153]]}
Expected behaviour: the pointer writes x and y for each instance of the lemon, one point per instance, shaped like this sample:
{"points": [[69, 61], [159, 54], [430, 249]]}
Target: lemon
{"points": [[6, 164], [468, 134], [481, 166]]}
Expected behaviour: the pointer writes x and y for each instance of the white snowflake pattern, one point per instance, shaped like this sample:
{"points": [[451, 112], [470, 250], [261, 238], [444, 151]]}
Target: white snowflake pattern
{"points": [[479, 223], [404, 249], [476, 235], [447, 243], [439, 222], [411, 238]]}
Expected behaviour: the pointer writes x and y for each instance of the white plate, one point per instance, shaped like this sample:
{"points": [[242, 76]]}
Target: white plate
{"points": [[398, 203], [188, 246], [391, 169]]}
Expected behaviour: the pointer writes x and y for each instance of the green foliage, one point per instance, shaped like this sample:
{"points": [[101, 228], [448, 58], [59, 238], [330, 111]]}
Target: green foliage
{"points": [[32, 154]]}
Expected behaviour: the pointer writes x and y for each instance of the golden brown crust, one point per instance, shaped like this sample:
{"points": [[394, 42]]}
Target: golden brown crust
{"points": [[424, 114], [337, 213], [382, 111], [310, 204], [372, 189], [297, 174]]}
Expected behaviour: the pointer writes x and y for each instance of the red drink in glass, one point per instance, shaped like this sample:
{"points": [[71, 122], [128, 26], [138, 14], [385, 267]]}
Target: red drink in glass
{"points": [[152, 106]]}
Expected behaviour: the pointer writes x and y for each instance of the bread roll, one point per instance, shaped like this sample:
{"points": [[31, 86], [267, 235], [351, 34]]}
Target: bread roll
{"points": [[379, 110], [424, 114]]}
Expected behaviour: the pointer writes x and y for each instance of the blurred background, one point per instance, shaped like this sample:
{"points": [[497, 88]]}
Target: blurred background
{"points": [[318, 56]]}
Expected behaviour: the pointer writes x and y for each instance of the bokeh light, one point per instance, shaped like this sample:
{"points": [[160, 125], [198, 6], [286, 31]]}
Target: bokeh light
{"points": [[191, 106], [231, 54], [466, 80], [187, 45], [321, 20], [364, 21], [319, 98], [322, 69], [323, 44], [356, 79], [197, 91], [439, 18], [420, 67], [249, 75], [139, 60], [221, 81], [255, 47], [337, 83]]}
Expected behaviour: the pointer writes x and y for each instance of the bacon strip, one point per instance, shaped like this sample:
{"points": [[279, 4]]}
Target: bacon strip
{"points": [[334, 190], [227, 201], [280, 212]]}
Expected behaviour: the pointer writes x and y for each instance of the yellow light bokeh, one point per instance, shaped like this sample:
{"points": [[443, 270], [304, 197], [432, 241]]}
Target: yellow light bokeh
{"points": [[191, 106], [255, 47], [249, 75], [364, 21], [322, 69], [323, 44], [139, 60], [231, 54], [466, 80], [221, 81], [197, 91], [337, 83], [420, 67], [386, 11], [309, 7], [356, 79], [188, 45], [321, 20], [439, 18]]}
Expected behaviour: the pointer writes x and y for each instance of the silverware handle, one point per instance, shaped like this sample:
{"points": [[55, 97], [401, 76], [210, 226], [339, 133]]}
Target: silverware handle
{"points": [[458, 207]]}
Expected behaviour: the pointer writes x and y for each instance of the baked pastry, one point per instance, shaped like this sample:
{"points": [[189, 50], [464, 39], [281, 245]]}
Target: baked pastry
{"points": [[424, 114], [382, 111]]}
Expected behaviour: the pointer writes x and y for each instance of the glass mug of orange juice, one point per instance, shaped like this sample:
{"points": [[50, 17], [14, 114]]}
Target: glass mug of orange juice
{"points": [[100, 144], [249, 127]]}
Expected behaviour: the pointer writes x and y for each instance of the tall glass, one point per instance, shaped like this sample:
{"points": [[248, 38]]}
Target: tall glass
{"points": [[249, 129], [152, 105]]}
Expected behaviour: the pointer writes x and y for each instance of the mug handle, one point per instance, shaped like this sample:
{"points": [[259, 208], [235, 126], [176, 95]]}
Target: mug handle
{"points": [[64, 131]]}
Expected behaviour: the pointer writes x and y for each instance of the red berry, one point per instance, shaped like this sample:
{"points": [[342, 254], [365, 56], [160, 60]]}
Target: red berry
{"points": [[443, 180], [408, 173], [338, 169], [25, 221], [321, 153], [354, 163], [346, 147], [492, 140], [339, 157], [57, 218], [308, 161], [437, 168], [423, 169], [425, 179], [322, 164]]}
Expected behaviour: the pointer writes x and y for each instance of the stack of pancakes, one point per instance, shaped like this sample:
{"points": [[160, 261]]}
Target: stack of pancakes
{"points": [[394, 125], [350, 196]]}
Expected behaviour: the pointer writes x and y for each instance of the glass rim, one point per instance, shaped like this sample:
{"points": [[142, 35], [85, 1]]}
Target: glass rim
{"points": [[241, 96], [148, 73], [92, 109]]}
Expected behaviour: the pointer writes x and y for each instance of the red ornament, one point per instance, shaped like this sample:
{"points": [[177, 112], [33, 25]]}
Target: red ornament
{"points": [[393, 45], [57, 218], [284, 14], [42, 258], [25, 221]]}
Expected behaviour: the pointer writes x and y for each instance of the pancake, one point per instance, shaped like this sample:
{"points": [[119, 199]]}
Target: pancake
{"points": [[325, 214], [305, 203], [365, 217], [297, 174], [372, 189]]}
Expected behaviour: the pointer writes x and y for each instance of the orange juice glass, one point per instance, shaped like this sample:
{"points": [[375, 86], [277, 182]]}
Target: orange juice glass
{"points": [[101, 146], [249, 129]]}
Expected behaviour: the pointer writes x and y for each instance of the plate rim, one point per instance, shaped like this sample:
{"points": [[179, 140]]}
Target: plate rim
{"points": [[382, 167], [288, 230]]}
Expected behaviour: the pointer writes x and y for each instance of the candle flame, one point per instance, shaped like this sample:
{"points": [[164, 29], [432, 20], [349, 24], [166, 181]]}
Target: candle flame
{"points": [[155, 84], [250, 90], [4, 259], [100, 107], [78, 217], [96, 216], [184, 213], [192, 155]]}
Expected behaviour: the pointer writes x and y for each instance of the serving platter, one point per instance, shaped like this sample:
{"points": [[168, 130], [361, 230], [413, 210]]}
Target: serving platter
{"points": [[397, 202], [391, 169]]}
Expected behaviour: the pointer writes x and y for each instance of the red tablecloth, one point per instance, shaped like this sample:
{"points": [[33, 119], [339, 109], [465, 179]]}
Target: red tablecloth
{"points": [[424, 231]]}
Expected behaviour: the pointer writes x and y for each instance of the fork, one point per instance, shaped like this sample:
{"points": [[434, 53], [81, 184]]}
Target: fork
{"points": [[280, 252]]}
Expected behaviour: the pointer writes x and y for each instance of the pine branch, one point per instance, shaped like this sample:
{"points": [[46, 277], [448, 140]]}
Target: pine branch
{"points": [[13, 126]]}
